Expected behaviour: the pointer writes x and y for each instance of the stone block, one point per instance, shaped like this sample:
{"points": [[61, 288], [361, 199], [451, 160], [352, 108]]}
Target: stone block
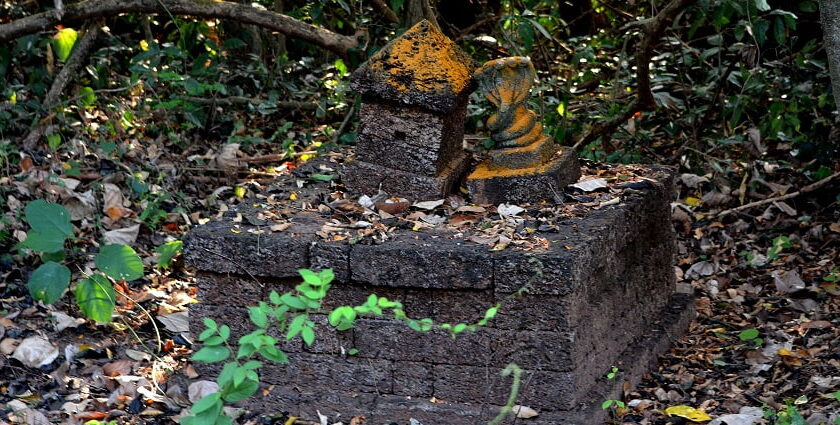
{"points": [[368, 178], [422, 262]]}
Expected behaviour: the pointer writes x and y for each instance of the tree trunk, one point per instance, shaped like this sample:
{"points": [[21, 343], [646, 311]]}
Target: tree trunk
{"points": [[211, 9], [830, 16], [417, 10]]}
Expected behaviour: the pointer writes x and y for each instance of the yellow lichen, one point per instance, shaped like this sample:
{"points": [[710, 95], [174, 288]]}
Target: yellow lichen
{"points": [[425, 60]]}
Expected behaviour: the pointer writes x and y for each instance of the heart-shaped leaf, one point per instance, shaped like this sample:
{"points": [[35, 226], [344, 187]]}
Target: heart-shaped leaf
{"points": [[48, 282], [120, 262], [63, 42], [48, 217], [49, 241]]}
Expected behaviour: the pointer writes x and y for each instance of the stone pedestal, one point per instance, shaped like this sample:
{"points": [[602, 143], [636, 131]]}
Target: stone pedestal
{"points": [[600, 293], [493, 184]]}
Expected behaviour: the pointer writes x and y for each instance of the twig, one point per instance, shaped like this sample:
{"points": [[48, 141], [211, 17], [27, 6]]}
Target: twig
{"points": [[809, 188], [68, 72], [343, 124]]}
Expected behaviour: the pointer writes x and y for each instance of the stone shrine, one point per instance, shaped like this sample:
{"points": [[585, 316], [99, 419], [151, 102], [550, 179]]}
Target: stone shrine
{"points": [[525, 165], [414, 98], [584, 285]]}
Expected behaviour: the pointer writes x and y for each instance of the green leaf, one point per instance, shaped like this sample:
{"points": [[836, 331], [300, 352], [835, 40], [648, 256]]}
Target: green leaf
{"points": [[326, 275], [54, 141], [120, 262], [274, 297], [296, 326], [308, 334], [57, 256], [96, 298], [224, 332], [321, 177], [206, 403], [210, 323], [241, 392], [48, 282], [257, 316], [49, 241], [762, 5], [292, 301], [45, 216], [207, 333], [310, 277], [167, 252], [63, 42], [273, 354], [87, 96], [211, 354], [491, 313], [748, 334]]}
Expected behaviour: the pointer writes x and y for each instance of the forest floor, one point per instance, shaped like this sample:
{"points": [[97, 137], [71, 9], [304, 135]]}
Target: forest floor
{"points": [[766, 340]]}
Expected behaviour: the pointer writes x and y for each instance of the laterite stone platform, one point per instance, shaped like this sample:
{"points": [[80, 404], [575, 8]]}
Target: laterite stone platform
{"points": [[601, 294]]}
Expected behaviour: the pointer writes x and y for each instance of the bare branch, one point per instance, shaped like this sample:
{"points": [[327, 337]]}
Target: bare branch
{"points": [[809, 188], [385, 11], [211, 9], [75, 62], [652, 31]]}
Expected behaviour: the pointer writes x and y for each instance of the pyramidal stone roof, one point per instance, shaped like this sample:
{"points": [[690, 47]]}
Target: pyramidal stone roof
{"points": [[422, 68]]}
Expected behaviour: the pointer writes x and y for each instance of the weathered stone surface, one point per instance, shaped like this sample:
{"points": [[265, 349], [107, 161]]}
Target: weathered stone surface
{"points": [[422, 262], [422, 67], [368, 178], [539, 152], [489, 184], [600, 294], [409, 139]]}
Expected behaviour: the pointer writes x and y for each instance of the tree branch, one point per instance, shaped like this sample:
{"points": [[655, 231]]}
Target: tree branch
{"points": [[809, 188], [70, 70], [211, 9], [385, 11], [652, 31]]}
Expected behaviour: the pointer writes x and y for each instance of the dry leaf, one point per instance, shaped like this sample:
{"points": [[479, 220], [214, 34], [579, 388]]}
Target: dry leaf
{"points": [[36, 351]]}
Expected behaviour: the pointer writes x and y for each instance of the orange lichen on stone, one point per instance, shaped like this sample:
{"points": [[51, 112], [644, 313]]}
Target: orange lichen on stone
{"points": [[425, 60], [507, 83], [485, 170]]}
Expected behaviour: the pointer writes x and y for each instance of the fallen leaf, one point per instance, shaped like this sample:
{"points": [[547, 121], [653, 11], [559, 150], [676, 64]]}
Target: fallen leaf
{"points": [[788, 281], [199, 389], [393, 208], [590, 185], [36, 351], [117, 368], [176, 322], [125, 236], [64, 321], [524, 412], [81, 205], [429, 205], [8, 346], [688, 412], [509, 210]]}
